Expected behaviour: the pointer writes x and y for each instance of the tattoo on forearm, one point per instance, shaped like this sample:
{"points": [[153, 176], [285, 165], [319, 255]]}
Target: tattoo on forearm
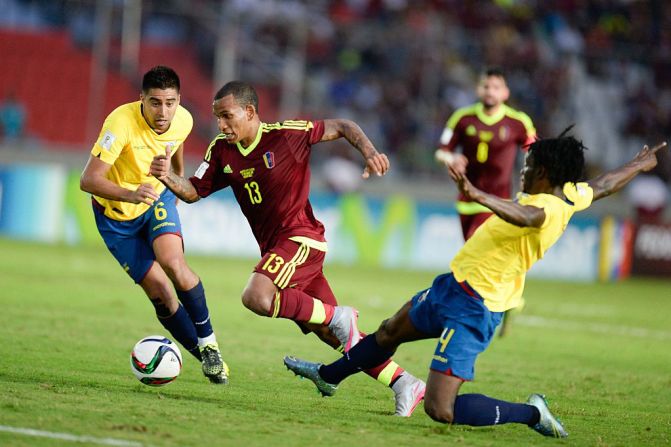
{"points": [[181, 187], [357, 138]]}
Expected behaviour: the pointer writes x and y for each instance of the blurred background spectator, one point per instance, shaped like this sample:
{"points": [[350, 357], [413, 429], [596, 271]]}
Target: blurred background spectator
{"points": [[397, 67], [342, 170], [12, 119]]}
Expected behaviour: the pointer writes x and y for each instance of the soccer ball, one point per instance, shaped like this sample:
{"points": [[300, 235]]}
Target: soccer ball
{"points": [[156, 360]]}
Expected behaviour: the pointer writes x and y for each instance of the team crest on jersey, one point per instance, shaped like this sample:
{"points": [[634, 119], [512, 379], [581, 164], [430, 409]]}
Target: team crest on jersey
{"points": [[227, 169], [471, 131], [269, 159], [247, 173], [504, 133]]}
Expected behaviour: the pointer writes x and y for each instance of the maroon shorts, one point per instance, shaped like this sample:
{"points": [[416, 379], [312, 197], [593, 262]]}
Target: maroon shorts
{"points": [[297, 265]]}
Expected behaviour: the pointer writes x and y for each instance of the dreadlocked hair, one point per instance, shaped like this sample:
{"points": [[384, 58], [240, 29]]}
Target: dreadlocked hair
{"points": [[562, 157]]}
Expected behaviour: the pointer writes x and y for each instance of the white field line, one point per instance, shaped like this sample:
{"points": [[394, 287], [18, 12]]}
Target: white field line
{"points": [[69, 437], [601, 328]]}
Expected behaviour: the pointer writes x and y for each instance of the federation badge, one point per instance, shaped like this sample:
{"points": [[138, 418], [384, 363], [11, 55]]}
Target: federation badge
{"points": [[269, 159], [504, 133]]}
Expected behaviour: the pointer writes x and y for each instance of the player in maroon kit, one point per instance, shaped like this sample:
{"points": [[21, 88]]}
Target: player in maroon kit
{"points": [[267, 166], [489, 134]]}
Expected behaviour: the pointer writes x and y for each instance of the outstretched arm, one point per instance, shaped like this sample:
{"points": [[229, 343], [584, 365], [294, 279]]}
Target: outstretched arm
{"points": [[337, 128], [612, 181], [511, 212], [183, 188]]}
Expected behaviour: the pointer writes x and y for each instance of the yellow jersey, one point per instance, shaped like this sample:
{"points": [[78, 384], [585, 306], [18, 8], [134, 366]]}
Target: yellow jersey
{"points": [[495, 260], [128, 143]]}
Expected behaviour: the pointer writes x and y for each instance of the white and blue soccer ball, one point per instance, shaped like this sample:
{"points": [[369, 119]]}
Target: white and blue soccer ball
{"points": [[156, 360]]}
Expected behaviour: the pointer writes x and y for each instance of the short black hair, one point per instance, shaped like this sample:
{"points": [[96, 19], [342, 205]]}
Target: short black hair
{"points": [[160, 77], [243, 93], [494, 71], [562, 157]]}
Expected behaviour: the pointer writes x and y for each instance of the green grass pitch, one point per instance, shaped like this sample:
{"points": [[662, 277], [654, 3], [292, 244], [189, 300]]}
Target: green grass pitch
{"points": [[69, 317]]}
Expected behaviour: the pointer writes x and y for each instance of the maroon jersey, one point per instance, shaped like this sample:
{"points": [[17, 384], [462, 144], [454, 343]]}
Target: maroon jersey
{"points": [[490, 144], [270, 180]]}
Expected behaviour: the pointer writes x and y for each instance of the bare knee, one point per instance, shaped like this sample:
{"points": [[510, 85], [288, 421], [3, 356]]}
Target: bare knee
{"points": [[438, 411], [259, 295], [257, 301], [178, 272]]}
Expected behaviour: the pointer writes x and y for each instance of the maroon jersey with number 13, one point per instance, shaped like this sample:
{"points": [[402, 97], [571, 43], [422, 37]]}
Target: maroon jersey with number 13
{"points": [[270, 180]]}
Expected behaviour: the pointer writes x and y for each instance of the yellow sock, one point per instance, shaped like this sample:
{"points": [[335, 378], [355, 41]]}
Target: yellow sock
{"points": [[388, 373], [318, 312]]}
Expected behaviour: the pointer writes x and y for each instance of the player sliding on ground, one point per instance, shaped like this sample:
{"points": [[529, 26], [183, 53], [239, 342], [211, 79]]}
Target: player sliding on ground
{"points": [[464, 307]]}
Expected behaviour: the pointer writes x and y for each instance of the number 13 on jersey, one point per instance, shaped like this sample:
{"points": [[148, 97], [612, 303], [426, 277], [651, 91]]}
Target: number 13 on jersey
{"points": [[254, 192]]}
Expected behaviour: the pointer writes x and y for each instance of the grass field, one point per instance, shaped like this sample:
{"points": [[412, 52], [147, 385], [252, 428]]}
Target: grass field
{"points": [[601, 353]]}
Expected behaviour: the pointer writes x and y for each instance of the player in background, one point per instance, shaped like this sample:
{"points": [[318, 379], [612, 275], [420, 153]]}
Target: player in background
{"points": [[463, 308], [267, 167], [489, 133], [137, 217]]}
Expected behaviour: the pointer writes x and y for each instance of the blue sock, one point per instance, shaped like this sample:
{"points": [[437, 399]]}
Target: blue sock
{"points": [[479, 410], [180, 327], [365, 355], [196, 306]]}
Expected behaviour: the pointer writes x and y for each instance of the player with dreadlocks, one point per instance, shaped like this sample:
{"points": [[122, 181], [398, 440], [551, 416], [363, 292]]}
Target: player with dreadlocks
{"points": [[463, 308]]}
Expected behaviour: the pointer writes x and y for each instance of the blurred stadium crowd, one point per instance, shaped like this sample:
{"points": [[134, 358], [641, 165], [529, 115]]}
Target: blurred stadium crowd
{"points": [[400, 67]]}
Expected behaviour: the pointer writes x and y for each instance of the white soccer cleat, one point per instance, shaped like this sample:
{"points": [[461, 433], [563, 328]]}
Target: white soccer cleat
{"points": [[548, 425], [344, 326], [409, 392]]}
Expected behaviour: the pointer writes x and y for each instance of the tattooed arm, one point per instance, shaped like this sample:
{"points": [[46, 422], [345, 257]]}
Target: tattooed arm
{"points": [[160, 168]]}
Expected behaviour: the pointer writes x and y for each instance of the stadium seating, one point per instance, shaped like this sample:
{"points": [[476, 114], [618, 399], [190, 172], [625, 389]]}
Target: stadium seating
{"points": [[51, 77]]}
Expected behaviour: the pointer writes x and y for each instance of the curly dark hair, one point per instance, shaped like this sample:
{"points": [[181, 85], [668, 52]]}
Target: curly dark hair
{"points": [[160, 77], [243, 93], [562, 157]]}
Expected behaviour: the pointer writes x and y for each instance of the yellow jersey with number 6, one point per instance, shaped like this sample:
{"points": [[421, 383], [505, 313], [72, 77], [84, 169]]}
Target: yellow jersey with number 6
{"points": [[128, 143]]}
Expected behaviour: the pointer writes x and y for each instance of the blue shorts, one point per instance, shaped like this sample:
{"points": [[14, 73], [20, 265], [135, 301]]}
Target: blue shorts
{"points": [[457, 315], [130, 241]]}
